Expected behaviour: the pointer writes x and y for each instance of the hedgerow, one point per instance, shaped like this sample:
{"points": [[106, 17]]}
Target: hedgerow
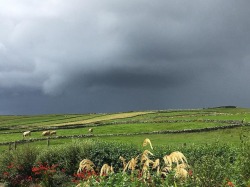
{"points": [[210, 165]]}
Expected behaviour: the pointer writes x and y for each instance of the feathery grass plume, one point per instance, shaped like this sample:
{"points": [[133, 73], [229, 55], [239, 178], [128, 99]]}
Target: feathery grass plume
{"points": [[84, 184], [90, 182], [167, 161], [145, 169], [166, 169], [86, 164], [131, 164], [156, 164], [146, 165], [106, 169], [180, 172], [183, 165], [123, 161], [79, 185], [146, 142], [145, 161], [174, 157], [145, 154]]}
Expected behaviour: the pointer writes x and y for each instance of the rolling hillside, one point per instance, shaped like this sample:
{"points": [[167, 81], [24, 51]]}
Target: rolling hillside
{"points": [[165, 127]]}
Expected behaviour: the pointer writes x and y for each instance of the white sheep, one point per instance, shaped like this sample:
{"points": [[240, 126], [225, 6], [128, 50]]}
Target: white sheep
{"points": [[26, 133], [52, 132], [90, 130], [45, 133]]}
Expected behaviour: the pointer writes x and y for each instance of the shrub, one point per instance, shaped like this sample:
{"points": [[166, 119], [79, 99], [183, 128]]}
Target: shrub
{"points": [[66, 156], [243, 162], [15, 166], [103, 152], [49, 176], [211, 165], [140, 170]]}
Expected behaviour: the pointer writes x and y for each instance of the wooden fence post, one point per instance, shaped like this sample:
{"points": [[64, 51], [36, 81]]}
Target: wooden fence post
{"points": [[48, 142], [15, 145]]}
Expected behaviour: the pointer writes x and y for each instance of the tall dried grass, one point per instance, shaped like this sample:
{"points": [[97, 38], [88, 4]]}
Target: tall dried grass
{"points": [[146, 142], [131, 164], [123, 161], [86, 164], [175, 162], [106, 170], [175, 157]]}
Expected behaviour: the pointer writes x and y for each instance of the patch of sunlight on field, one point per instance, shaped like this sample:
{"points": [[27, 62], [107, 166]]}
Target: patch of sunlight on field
{"points": [[107, 117]]}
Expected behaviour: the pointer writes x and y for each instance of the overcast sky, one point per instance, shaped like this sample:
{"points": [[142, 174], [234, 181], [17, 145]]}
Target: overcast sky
{"points": [[84, 56]]}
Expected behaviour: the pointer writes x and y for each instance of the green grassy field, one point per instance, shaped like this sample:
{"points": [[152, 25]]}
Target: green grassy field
{"points": [[109, 127], [215, 142]]}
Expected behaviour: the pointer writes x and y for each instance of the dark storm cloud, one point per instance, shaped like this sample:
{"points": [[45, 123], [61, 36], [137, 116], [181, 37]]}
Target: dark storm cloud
{"points": [[94, 56]]}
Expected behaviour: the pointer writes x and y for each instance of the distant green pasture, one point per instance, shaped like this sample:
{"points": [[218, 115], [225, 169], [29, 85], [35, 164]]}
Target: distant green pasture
{"points": [[156, 114], [238, 117], [228, 136], [213, 114], [231, 136], [150, 127], [118, 128]]}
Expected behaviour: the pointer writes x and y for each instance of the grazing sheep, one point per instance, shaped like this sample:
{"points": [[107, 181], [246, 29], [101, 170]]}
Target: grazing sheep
{"points": [[52, 132], [27, 133], [45, 133], [90, 130]]}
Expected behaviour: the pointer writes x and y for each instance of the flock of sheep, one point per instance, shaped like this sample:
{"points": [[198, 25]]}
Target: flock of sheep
{"points": [[44, 133], [47, 133]]}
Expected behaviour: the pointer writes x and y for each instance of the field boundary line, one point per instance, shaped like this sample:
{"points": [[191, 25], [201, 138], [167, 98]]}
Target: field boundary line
{"points": [[96, 124], [128, 134]]}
